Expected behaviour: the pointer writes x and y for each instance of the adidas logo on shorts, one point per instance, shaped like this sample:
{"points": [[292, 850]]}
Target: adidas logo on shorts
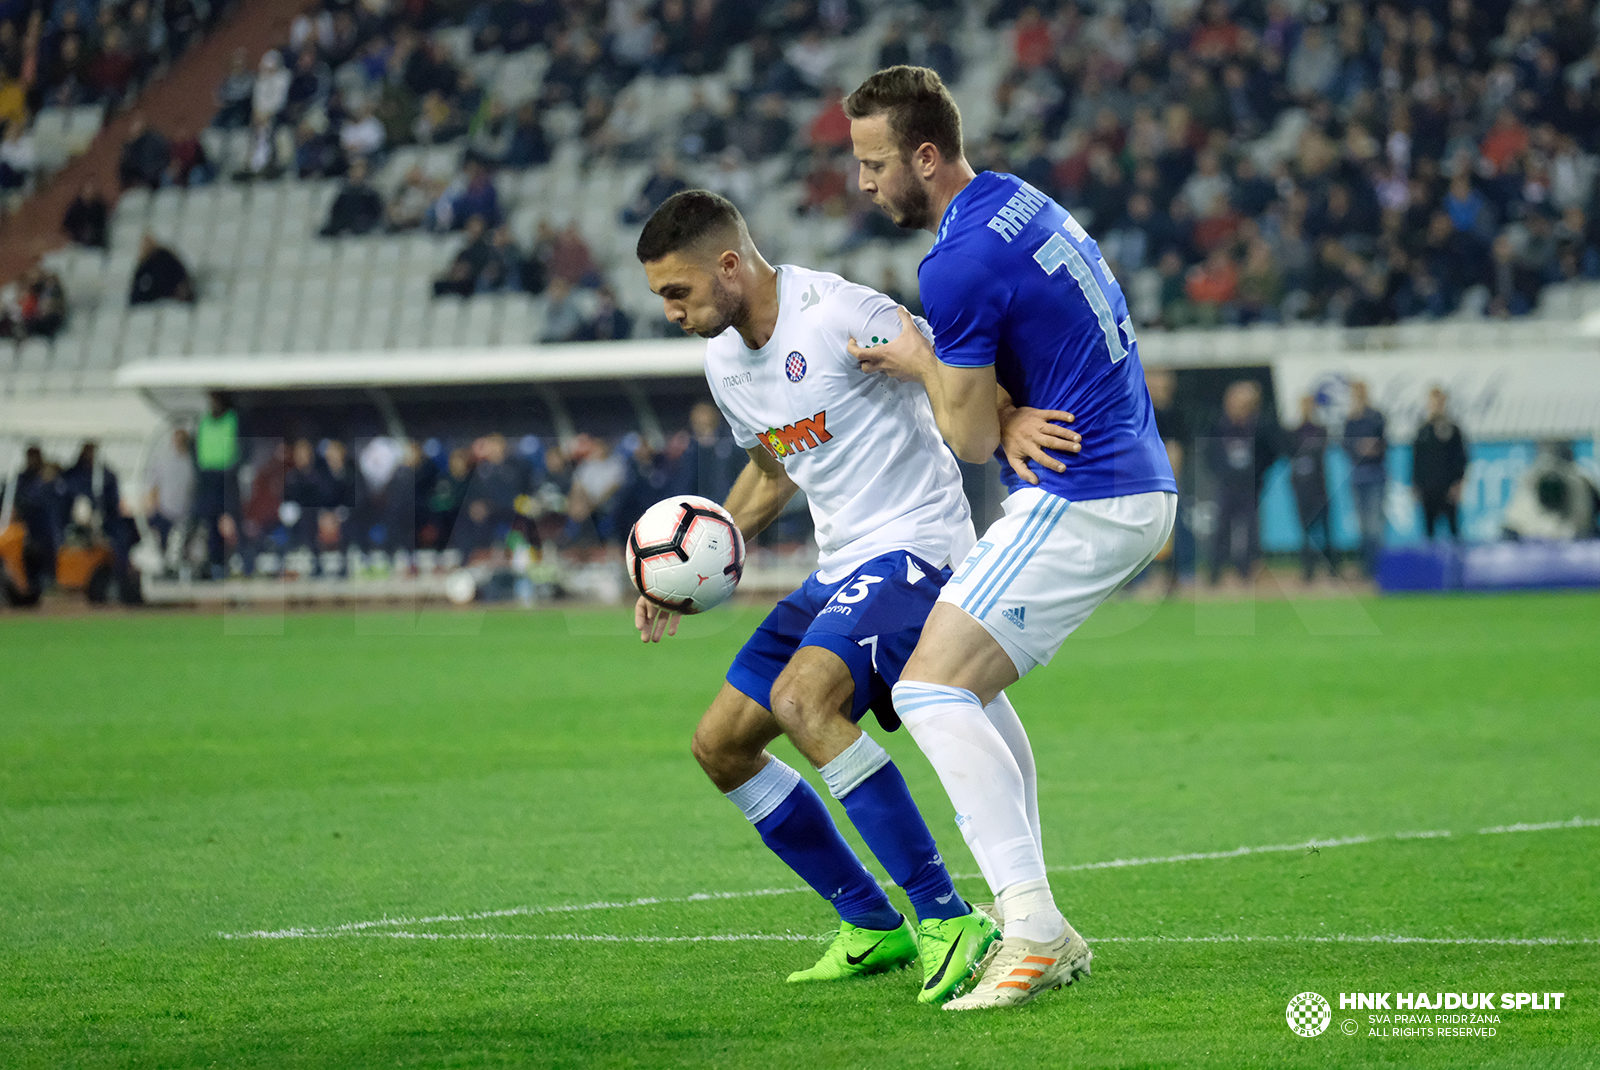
{"points": [[1014, 615]]}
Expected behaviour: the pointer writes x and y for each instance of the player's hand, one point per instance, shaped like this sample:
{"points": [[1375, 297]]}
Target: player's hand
{"points": [[906, 357], [1025, 435], [652, 621]]}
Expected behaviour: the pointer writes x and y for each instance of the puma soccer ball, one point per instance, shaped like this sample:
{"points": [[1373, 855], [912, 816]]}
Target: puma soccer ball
{"points": [[685, 554]]}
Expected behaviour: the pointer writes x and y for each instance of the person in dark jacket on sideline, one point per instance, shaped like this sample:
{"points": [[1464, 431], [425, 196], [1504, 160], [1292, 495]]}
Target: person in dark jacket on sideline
{"points": [[1438, 466], [1365, 441], [1308, 447], [1240, 451]]}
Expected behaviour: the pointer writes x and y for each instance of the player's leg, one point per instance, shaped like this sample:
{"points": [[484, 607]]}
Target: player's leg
{"points": [[814, 701], [730, 745], [1027, 586]]}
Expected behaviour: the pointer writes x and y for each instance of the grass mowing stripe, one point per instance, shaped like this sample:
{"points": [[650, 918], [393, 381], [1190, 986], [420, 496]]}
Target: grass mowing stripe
{"points": [[295, 932]]}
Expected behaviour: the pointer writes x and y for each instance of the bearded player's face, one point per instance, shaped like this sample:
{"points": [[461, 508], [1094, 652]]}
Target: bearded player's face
{"points": [[694, 295], [887, 175]]}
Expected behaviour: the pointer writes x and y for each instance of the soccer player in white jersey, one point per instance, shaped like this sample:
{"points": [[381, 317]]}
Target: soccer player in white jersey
{"points": [[890, 515], [1019, 297]]}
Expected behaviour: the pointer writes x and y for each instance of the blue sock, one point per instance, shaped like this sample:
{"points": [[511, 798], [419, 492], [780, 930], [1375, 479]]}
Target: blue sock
{"points": [[875, 796], [794, 823]]}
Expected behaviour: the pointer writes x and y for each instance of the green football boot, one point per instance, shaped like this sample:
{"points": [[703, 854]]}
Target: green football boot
{"points": [[856, 952], [951, 950]]}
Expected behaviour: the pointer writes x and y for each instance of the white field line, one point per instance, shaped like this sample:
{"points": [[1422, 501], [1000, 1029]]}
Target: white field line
{"points": [[352, 927], [1225, 938], [1543, 826]]}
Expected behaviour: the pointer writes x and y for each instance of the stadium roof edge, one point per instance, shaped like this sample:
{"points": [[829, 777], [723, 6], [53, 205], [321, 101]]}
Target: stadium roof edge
{"points": [[420, 367]]}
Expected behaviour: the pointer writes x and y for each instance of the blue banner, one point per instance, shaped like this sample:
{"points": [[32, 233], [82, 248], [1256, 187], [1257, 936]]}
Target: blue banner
{"points": [[1493, 469]]}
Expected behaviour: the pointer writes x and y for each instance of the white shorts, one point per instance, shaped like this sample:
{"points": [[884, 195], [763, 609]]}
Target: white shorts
{"points": [[1041, 569]]}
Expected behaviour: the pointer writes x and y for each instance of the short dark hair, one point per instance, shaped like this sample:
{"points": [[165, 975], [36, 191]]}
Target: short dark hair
{"points": [[920, 108], [684, 219]]}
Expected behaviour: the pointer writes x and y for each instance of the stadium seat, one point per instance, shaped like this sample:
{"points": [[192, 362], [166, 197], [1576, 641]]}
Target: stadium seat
{"points": [[479, 320], [518, 321], [138, 333], [172, 332], [444, 328]]}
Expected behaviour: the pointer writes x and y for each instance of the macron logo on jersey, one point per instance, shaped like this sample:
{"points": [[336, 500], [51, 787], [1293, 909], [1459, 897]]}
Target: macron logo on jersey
{"points": [[801, 435], [1015, 213]]}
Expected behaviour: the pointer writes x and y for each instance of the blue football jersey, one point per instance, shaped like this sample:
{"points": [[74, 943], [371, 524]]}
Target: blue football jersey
{"points": [[1013, 280]]}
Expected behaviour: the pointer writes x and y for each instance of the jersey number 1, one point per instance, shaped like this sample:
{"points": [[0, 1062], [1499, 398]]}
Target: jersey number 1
{"points": [[1058, 252]]}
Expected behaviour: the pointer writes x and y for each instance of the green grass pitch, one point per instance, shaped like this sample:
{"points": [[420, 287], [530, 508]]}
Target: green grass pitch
{"points": [[167, 779]]}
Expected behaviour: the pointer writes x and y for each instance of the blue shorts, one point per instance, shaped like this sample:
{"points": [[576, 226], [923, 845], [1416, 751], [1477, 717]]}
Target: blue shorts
{"points": [[872, 619]]}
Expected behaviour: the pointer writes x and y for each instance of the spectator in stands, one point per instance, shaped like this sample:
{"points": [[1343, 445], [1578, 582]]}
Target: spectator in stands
{"points": [[305, 490], [608, 323], [506, 268], [43, 304], [87, 218], [445, 494], [362, 134], [189, 165], [236, 95], [17, 158], [596, 478], [159, 275], [145, 156], [216, 459], [703, 131], [1439, 466], [408, 207], [473, 194], [490, 504], [113, 67], [317, 153], [663, 181], [465, 271], [1308, 447], [271, 91], [341, 490], [169, 498], [939, 53], [711, 460], [358, 209], [1240, 451], [564, 320], [528, 146], [1366, 443], [568, 255]]}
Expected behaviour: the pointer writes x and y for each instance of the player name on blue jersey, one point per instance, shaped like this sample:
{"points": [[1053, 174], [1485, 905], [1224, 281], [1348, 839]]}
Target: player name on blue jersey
{"points": [[1014, 281]]}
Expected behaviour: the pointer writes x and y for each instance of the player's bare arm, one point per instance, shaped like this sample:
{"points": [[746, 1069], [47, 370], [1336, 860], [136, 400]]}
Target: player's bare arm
{"points": [[755, 500], [1027, 434], [963, 398]]}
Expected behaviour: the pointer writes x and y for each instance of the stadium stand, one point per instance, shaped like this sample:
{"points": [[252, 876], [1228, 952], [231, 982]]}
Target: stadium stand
{"points": [[1239, 163], [450, 177]]}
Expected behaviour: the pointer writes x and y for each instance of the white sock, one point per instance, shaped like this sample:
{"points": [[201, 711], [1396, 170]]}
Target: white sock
{"points": [[981, 775], [761, 794], [1030, 912], [854, 764], [1004, 717]]}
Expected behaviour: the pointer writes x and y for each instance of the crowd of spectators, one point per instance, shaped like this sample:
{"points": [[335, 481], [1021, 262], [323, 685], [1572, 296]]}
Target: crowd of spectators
{"points": [[263, 505], [63, 53], [1355, 163]]}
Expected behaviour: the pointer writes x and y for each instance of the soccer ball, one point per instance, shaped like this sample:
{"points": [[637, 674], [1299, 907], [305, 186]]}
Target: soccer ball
{"points": [[686, 554]]}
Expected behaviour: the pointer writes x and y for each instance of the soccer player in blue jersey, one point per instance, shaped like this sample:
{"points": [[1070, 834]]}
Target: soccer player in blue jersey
{"points": [[1024, 309]]}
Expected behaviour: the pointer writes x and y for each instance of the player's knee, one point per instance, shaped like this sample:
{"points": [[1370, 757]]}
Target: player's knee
{"points": [[712, 748], [796, 705]]}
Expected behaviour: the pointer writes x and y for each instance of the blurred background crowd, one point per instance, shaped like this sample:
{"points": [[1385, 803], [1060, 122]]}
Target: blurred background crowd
{"points": [[1240, 161]]}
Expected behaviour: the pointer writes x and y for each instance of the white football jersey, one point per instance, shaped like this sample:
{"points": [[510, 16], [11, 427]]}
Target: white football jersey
{"points": [[864, 448]]}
